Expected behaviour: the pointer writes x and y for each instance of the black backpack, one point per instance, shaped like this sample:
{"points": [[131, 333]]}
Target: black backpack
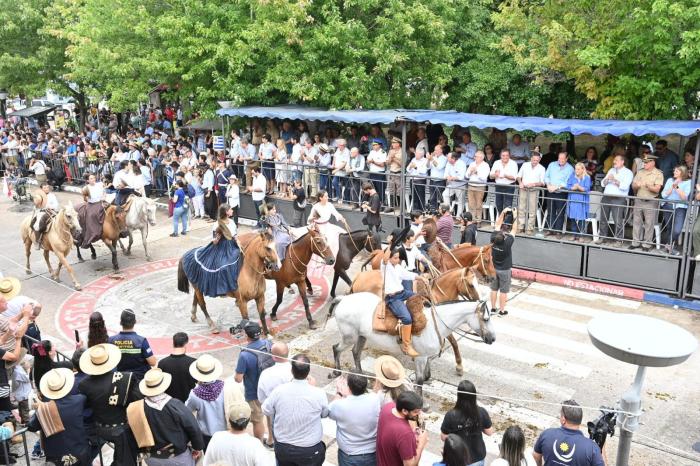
{"points": [[263, 356]]}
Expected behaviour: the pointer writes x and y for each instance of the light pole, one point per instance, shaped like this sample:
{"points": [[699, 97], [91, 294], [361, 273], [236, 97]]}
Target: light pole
{"points": [[644, 342], [3, 100]]}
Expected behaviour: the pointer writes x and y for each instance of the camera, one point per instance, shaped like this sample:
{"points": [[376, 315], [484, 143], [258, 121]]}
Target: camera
{"points": [[602, 426], [237, 329]]}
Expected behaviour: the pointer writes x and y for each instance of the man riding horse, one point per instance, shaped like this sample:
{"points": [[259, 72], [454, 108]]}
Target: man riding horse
{"points": [[45, 208]]}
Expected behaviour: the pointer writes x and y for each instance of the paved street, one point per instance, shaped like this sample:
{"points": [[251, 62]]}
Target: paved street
{"points": [[542, 354]]}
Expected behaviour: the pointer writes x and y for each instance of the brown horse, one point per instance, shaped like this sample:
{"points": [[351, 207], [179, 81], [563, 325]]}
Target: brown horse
{"points": [[114, 223], [293, 270], [259, 258], [450, 286], [58, 239]]}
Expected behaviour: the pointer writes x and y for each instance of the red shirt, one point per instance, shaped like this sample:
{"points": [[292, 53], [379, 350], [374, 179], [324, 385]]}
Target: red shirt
{"points": [[396, 441], [445, 225]]}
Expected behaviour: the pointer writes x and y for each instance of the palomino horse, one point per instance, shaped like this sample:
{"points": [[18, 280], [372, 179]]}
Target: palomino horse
{"points": [[353, 314], [140, 215], [259, 258], [450, 286], [59, 238], [111, 227], [350, 244]]}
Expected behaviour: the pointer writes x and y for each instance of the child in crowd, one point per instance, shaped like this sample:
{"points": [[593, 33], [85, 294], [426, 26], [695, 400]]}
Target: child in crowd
{"points": [[233, 196], [22, 389]]}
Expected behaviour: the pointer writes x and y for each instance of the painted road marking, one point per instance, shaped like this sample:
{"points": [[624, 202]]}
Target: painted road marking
{"points": [[547, 339], [543, 319], [585, 295], [556, 305]]}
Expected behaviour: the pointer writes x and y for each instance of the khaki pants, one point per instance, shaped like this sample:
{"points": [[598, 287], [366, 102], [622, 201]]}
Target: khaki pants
{"points": [[311, 179], [645, 215], [459, 193], [475, 200], [394, 181], [527, 208]]}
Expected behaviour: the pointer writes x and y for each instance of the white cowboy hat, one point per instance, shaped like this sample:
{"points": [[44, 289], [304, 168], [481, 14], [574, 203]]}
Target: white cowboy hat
{"points": [[206, 368], [9, 287], [389, 371], [155, 382], [100, 359], [239, 410], [57, 383]]}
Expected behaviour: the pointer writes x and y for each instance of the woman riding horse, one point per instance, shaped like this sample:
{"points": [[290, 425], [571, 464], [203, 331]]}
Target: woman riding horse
{"points": [[279, 228]]}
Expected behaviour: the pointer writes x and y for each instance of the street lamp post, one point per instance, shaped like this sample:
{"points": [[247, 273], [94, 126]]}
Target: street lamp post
{"points": [[3, 100]]}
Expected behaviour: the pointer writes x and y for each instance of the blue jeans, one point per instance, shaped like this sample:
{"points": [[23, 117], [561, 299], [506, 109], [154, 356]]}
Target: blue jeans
{"points": [[324, 181], [504, 196], [478, 463], [368, 459], [397, 305], [407, 285], [672, 224], [338, 184], [179, 214]]}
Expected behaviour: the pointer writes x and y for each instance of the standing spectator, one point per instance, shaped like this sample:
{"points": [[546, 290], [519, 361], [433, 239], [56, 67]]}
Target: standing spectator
{"points": [[530, 177], [249, 157], [22, 389], [436, 163], [282, 174], [137, 356], [467, 149], [646, 184], [512, 450], [356, 166], [325, 162], [257, 190], [590, 160], [178, 365], [233, 196], [206, 400], [297, 409], [390, 377], [579, 185], [468, 229], [341, 160], [489, 154], [180, 211], [469, 421], [211, 201], [418, 170], [177, 439], [235, 446], [376, 161], [295, 158], [397, 443], [504, 172], [676, 192], [445, 225], [299, 205], [310, 157], [97, 331], [356, 417], [567, 444], [502, 257], [455, 453], [248, 370], [556, 179], [696, 227], [266, 153], [422, 141], [667, 159], [518, 149], [394, 163], [617, 185], [477, 176], [221, 177], [274, 376], [455, 172], [372, 207]]}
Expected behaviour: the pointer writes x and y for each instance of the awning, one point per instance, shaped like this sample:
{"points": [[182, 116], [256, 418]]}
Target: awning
{"points": [[204, 125], [35, 111], [452, 118]]}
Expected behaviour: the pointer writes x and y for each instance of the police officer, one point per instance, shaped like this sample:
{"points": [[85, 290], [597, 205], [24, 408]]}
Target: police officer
{"points": [[137, 356]]}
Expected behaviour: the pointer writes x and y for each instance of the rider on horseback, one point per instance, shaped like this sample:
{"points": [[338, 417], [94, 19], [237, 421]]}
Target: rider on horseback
{"points": [[395, 295], [46, 206]]}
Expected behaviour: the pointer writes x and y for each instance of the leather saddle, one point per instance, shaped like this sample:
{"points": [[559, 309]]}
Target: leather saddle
{"points": [[384, 321]]}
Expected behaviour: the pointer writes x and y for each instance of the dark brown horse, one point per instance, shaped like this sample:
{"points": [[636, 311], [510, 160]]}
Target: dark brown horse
{"points": [[259, 258], [293, 270], [350, 245], [114, 223]]}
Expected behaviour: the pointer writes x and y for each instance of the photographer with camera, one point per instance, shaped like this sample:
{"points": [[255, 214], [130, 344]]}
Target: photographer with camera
{"points": [[501, 253], [372, 207]]}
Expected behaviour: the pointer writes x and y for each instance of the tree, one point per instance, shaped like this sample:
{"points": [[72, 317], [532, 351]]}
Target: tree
{"points": [[636, 60]]}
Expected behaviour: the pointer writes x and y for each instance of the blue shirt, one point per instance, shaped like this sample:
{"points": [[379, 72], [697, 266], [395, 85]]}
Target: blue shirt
{"points": [[558, 175], [673, 196], [135, 350], [438, 171], [180, 193], [248, 366], [457, 170], [562, 446]]}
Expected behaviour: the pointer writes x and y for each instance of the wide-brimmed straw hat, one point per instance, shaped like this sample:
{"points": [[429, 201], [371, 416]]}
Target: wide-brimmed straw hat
{"points": [[57, 383], [389, 371], [100, 359], [155, 382], [206, 368], [9, 287]]}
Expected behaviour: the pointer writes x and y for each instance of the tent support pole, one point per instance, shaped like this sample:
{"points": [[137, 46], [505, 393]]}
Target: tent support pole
{"points": [[402, 210], [688, 238]]}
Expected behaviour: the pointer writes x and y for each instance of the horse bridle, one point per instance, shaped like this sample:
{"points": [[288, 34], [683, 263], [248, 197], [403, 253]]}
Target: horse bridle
{"points": [[480, 309], [313, 244]]}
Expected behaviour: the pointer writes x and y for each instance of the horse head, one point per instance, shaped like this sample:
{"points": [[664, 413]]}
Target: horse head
{"points": [[468, 284], [483, 263], [150, 208], [319, 246], [71, 218], [480, 321], [372, 242], [268, 253]]}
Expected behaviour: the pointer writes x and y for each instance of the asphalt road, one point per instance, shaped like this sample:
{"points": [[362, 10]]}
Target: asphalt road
{"points": [[542, 354]]}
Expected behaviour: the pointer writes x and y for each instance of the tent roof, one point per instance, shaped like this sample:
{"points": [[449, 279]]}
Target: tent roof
{"points": [[452, 118], [33, 111], [204, 125]]}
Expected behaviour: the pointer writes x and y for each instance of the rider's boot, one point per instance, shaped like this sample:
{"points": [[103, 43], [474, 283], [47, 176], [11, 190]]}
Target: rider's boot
{"points": [[406, 345]]}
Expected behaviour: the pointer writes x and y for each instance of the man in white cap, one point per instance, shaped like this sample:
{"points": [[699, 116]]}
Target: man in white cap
{"points": [[170, 424], [341, 158], [108, 393], [60, 419], [235, 445]]}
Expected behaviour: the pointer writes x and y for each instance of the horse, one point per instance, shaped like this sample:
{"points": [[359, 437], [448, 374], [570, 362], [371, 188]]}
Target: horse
{"points": [[112, 226], [259, 257], [450, 286], [59, 238], [293, 270], [350, 244], [140, 215], [354, 313]]}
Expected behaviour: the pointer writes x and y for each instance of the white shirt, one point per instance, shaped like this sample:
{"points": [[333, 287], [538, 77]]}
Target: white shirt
{"points": [[479, 173], [376, 156], [437, 167], [310, 156], [296, 153], [266, 151], [529, 175], [423, 144], [356, 418], [39, 167], [393, 277], [511, 169], [341, 159], [259, 182], [412, 255], [519, 151], [231, 227], [237, 450], [97, 193], [420, 239], [456, 170], [15, 305], [624, 176], [121, 178], [208, 180], [273, 377], [233, 195], [418, 167], [52, 202], [324, 212]]}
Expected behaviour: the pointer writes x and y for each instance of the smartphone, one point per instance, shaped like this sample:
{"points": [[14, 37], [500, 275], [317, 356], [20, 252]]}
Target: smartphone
{"points": [[77, 336]]}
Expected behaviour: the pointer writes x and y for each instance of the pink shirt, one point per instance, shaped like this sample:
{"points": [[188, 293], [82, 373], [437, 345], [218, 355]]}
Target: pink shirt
{"points": [[445, 225]]}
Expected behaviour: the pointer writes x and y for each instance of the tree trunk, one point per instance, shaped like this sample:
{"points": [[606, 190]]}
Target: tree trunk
{"points": [[82, 111]]}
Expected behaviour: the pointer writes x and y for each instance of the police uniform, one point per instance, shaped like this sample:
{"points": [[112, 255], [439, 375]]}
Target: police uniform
{"points": [[646, 210], [135, 350]]}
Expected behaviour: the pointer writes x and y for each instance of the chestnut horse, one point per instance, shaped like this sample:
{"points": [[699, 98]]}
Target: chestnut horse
{"points": [[450, 286], [259, 258], [114, 223], [59, 237]]}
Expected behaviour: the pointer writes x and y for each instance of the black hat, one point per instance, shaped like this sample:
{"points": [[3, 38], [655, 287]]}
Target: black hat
{"points": [[252, 330], [399, 236]]}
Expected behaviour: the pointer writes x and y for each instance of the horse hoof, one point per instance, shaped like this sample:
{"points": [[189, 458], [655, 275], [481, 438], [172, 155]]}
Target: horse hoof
{"points": [[313, 325], [460, 370], [78, 287], [93, 256], [310, 291], [81, 260], [27, 271], [273, 317], [149, 258], [127, 253], [215, 331], [334, 374]]}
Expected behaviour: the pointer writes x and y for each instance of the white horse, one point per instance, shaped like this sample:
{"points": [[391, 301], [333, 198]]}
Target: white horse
{"points": [[354, 312], [142, 213]]}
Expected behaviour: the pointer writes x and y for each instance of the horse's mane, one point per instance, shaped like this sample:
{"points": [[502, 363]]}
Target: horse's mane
{"points": [[430, 227], [298, 240]]}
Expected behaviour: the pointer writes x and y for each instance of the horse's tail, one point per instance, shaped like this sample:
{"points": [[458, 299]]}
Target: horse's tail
{"points": [[183, 284], [331, 308]]}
